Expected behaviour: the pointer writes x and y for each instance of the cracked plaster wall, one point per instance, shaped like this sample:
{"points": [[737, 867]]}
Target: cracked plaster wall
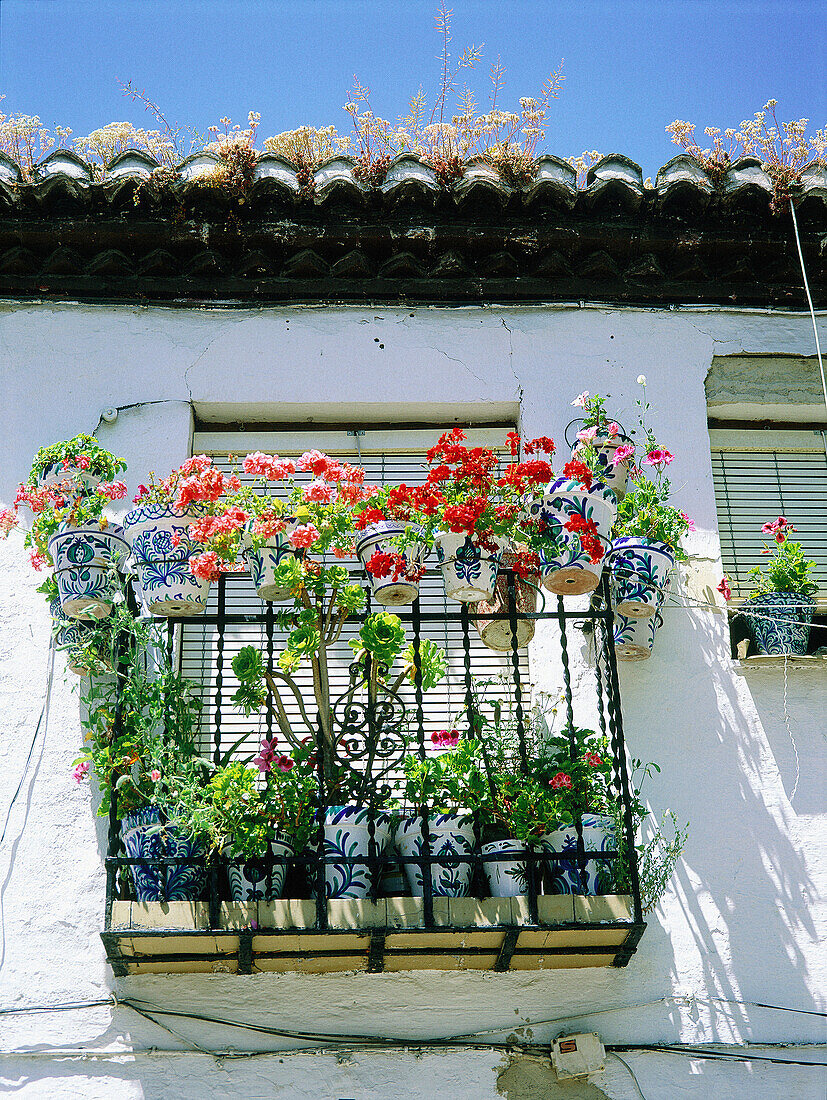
{"points": [[741, 920]]}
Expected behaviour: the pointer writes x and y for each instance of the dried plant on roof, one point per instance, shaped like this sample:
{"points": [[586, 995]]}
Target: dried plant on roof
{"points": [[784, 149], [25, 140]]}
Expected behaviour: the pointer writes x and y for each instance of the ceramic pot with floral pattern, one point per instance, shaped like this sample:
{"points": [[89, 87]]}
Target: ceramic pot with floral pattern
{"points": [[144, 837], [450, 836], [262, 562], [565, 875], [507, 874], [496, 634], [376, 537], [640, 570], [779, 622], [635, 638], [347, 849], [469, 570], [578, 524], [161, 549], [84, 559], [259, 879]]}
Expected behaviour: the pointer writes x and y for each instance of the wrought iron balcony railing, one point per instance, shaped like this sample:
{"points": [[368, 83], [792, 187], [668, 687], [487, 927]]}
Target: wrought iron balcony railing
{"points": [[305, 929]]}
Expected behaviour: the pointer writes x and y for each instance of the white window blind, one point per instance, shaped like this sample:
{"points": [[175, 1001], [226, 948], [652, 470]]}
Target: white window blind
{"points": [[388, 456], [758, 476]]}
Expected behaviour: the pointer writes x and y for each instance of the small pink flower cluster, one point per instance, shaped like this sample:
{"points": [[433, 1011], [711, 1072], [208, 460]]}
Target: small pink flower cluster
{"points": [[206, 566], [318, 492], [7, 520], [445, 739], [303, 537], [112, 490], [659, 456], [38, 561], [724, 589], [624, 451], [81, 770], [560, 781], [82, 461], [224, 524], [270, 466], [593, 759], [267, 758]]}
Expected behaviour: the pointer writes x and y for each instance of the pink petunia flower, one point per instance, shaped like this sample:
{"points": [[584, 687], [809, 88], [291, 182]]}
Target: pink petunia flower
{"points": [[154, 775], [81, 770], [581, 399], [284, 763], [724, 589], [587, 435]]}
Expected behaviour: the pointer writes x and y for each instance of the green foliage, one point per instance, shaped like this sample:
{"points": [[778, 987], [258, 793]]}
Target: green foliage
{"points": [[101, 462], [431, 663], [248, 666], [656, 858], [645, 513], [786, 571]]}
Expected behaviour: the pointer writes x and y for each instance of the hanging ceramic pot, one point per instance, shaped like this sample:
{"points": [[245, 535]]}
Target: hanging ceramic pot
{"points": [[567, 567], [507, 875], [469, 571], [565, 875], [56, 472], [377, 537], [260, 879], [161, 550], [84, 558], [347, 837], [450, 835], [145, 838], [640, 570], [779, 622], [496, 634], [262, 562], [634, 638], [614, 476], [69, 635]]}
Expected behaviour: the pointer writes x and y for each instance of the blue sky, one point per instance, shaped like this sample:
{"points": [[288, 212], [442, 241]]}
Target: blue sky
{"points": [[631, 66]]}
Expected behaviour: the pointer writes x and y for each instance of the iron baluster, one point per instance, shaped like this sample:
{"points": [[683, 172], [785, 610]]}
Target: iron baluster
{"points": [[578, 819]]}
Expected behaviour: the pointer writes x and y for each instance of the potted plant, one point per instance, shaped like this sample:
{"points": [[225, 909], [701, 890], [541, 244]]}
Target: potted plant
{"points": [[647, 532], [497, 634], [257, 825], [575, 767], [436, 786], [601, 443], [779, 612], [634, 638], [154, 738], [383, 525], [162, 547], [81, 461], [71, 534]]}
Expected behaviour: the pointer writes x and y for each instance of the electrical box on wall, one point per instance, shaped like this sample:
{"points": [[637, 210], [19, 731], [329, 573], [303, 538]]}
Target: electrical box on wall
{"points": [[577, 1055]]}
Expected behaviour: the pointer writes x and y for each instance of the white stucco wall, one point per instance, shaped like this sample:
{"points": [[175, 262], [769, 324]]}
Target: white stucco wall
{"points": [[742, 920]]}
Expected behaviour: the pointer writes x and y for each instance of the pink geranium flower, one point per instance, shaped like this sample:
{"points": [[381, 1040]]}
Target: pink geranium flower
{"points": [[7, 520], [317, 492], [445, 739], [624, 451], [154, 775], [690, 523], [613, 429], [659, 456], [303, 537], [560, 781], [724, 589], [81, 770]]}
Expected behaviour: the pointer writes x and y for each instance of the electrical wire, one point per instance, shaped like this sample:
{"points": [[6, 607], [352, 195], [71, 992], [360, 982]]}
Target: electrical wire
{"points": [[614, 1054], [809, 300], [711, 1054]]}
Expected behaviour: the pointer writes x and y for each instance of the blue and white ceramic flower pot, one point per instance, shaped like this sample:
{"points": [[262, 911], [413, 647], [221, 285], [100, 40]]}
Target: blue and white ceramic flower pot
{"points": [[567, 568], [564, 875], [449, 836], [617, 476], [469, 571], [640, 570], [260, 879], [634, 638], [84, 558], [346, 837], [167, 584], [779, 622], [377, 538], [507, 875], [263, 561], [143, 839]]}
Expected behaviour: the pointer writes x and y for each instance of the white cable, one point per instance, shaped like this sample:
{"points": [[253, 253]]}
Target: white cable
{"points": [[790, 734], [614, 1054]]}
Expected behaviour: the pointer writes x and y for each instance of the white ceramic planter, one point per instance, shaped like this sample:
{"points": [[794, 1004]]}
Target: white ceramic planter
{"points": [[450, 835], [496, 633], [168, 586], [83, 558], [640, 573], [634, 638], [567, 569], [469, 572], [347, 836], [259, 879], [377, 537], [69, 635], [564, 875], [262, 563], [507, 877]]}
